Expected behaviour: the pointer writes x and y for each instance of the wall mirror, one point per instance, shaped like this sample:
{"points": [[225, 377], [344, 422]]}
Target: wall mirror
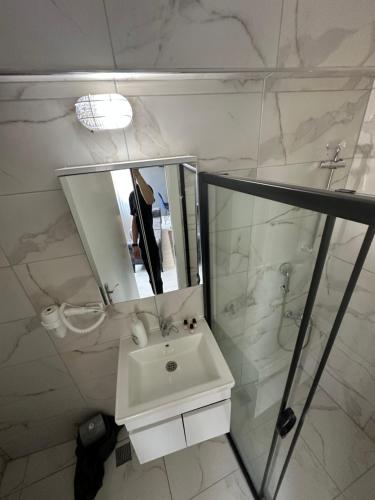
{"points": [[138, 224]]}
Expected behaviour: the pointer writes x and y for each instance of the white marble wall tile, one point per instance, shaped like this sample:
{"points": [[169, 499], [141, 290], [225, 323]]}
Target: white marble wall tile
{"points": [[229, 251], [100, 393], [54, 89], [338, 443], [92, 362], [363, 488], [194, 35], [13, 477], [194, 469], [362, 175], [175, 125], [230, 301], [143, 482], [68, 279], [181, 304], [229, 210], [297, 126], [366, 141], [242, 83], [313, 34], [37, 137], [45, 227], [30, 436], [305, 174], [33, 378], [232, 487], [44, 35], [116, 325], [292, 83], [14, 302], [46, 462], [23, 340]]}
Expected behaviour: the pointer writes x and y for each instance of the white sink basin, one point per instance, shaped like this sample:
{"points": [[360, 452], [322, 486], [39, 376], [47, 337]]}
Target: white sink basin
{"points": [[169, 376]]}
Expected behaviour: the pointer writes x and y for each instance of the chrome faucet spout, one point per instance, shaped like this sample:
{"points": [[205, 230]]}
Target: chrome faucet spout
{"points": [[166, 326]]}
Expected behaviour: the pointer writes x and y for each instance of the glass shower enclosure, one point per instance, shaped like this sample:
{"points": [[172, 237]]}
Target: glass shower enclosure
{"points": [[265, 248]]}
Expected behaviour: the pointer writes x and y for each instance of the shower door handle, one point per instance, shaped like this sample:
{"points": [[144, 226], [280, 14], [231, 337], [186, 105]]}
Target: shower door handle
{"points": [[286, 422]]}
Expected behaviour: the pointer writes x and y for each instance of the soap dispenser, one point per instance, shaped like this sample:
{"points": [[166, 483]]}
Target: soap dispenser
{"points": [[138, 331]]}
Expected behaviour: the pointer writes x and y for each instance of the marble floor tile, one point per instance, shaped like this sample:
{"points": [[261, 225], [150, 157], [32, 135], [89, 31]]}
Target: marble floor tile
{"points": [[232, 487], [305, 477], [133, 481], [339, 444], [13, 476], [363, 488], [46, 462], [194, 469], [28, 436], [59, 486]]}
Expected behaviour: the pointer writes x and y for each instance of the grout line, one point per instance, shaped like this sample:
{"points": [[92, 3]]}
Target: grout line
{"points": [[214, 93], [109, 33], [22, 263], [216, 482], [57, 190], [358, 478], [166, 473], [323, 466], [280, 28]]}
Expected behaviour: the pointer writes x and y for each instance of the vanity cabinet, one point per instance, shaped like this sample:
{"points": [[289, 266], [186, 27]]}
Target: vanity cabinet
{"points": [[207, 422], [158, 440]]}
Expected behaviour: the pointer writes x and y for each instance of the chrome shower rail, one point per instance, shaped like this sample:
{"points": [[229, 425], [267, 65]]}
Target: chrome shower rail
{"points": [[341, 203]]}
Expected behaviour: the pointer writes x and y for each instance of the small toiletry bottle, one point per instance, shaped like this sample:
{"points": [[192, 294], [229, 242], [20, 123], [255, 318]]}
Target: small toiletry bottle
{"points": [[194, 323], [185, 324], [138, 331]]}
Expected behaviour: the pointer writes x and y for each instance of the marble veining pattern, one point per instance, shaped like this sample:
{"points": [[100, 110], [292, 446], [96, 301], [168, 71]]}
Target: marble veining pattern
{"points": [[53, 470], [166, 30]]}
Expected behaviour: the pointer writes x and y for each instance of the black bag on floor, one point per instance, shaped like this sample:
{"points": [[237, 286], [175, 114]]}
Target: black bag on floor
{"points": [[88, 478]]}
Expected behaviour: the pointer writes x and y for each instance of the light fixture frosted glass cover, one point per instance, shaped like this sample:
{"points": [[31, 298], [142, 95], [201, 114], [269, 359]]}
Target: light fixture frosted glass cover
{"points": [[104, 111]]}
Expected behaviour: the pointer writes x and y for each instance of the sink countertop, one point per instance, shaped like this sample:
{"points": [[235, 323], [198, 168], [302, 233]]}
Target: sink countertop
{"points": [[146, 393]]}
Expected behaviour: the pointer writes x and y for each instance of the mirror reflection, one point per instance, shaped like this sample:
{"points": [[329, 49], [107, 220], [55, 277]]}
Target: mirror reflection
{"points": [[138, 225]]}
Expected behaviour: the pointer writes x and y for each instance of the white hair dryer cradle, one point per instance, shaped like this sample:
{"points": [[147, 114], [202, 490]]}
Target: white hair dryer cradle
{"points": [[56, 318]]}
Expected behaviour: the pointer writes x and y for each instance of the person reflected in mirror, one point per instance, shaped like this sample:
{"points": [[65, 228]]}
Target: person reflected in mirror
{"points": [[145, 196]]}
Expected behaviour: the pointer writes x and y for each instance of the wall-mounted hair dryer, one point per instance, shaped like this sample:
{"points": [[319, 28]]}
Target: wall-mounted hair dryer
{"points": [[55, 318]]}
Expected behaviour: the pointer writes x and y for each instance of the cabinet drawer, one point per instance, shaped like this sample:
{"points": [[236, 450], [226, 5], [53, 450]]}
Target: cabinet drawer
{"points": [[207, 422], [158, 440]]}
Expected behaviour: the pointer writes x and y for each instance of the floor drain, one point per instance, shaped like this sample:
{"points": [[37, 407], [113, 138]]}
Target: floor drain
{"points": [[171, 366], [123, 454]]}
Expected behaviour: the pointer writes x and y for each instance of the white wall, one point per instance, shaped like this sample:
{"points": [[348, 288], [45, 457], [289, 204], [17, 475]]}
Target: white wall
{"points": [[276, 129]]}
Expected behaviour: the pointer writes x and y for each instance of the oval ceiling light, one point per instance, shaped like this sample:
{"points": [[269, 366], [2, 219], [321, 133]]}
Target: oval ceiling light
{"points": [[104, 111]]}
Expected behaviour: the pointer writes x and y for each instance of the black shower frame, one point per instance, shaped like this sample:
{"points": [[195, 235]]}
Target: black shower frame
{"points": [[342, 203]]}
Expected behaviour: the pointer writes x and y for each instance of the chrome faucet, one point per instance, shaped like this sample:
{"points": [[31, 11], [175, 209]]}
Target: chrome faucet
{"points": [[166, 327]]}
